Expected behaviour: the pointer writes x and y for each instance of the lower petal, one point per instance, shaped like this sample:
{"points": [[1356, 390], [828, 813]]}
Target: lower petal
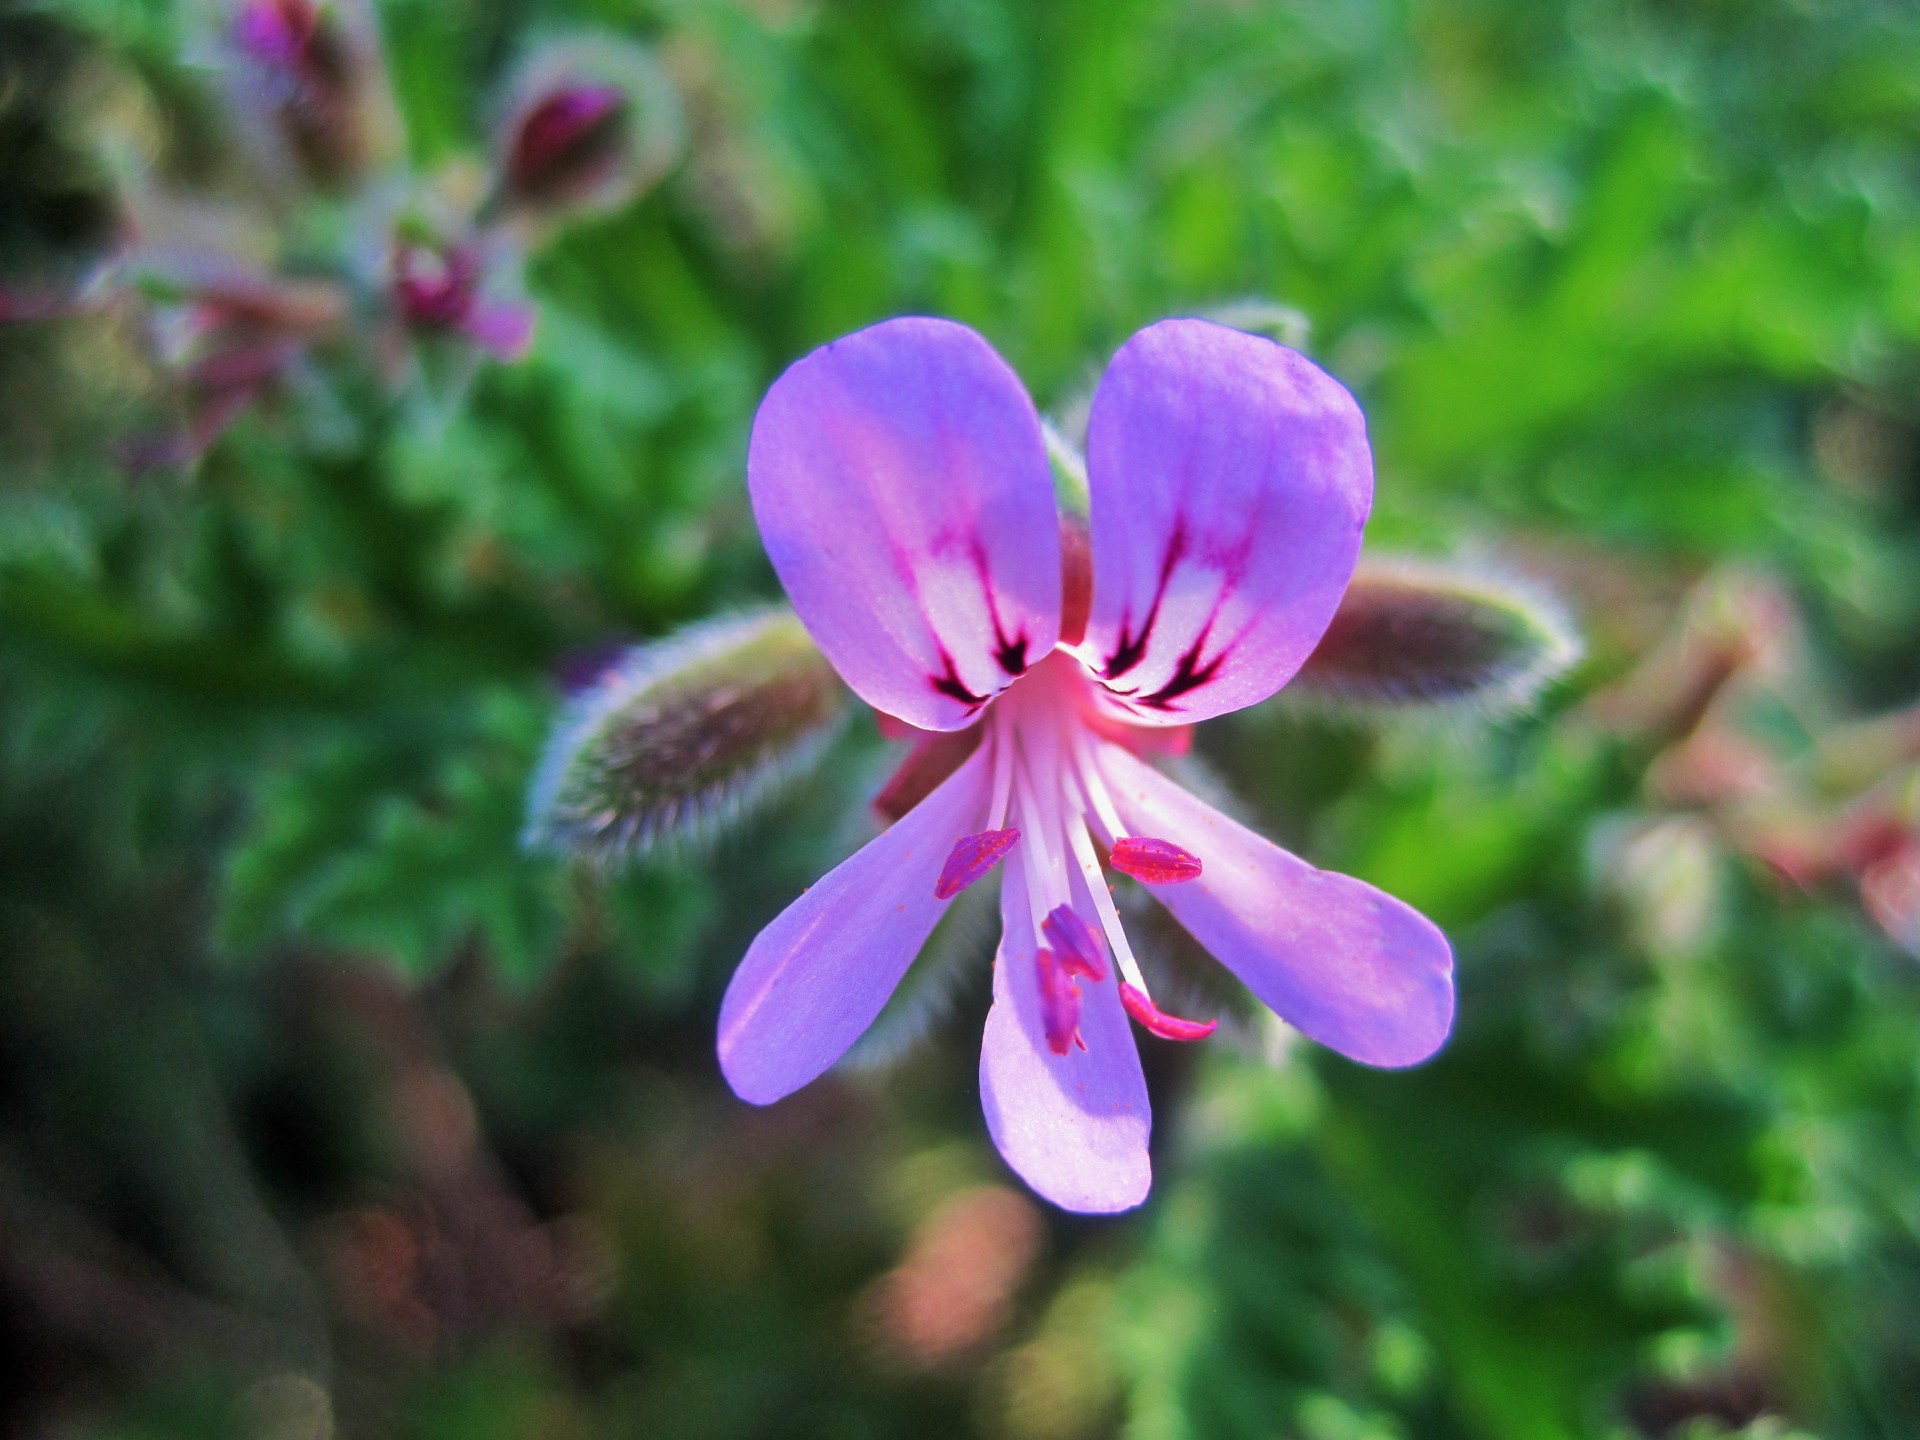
{"points": [[1073, 1126], [1346, 964], [816, 978]]}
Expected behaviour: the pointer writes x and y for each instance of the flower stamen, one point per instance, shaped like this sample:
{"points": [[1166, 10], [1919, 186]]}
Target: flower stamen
{"points": [[1002, 742], [1075, 945], [1059, 1003], [971, 858], [1154, 862], [1156, 1021], [1103, 901], [1093, 785]]}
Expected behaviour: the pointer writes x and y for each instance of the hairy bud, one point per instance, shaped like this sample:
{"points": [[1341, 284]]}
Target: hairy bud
{"points": [[1422, 633], [682, 733]]}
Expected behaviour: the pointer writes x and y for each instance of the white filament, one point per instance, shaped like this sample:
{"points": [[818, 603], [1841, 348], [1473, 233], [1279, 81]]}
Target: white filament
{"points": [[1103, 903]]}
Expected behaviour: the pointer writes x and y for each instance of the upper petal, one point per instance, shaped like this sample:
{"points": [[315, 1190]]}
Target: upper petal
{"points": [[1350, 966], [816, 978], [1229, 481], [902, 489], [1073, 1126]]}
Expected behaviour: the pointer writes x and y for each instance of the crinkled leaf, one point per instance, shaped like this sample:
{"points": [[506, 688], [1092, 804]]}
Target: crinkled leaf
{"points": [[683, 734], [401, 845], [1421, 633]]}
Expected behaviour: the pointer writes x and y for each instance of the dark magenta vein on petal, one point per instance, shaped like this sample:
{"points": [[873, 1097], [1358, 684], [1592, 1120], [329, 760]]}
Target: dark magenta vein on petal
{"points": [[1010, 654], [1133, 647], [949, 683]]}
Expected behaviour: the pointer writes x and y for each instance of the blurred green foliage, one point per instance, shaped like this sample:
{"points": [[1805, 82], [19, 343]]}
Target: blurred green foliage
{"points": [[327, 1106]]}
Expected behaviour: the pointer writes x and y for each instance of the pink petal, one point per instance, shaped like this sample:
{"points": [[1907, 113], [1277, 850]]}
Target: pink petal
{"points": [[1230, 480], [904, 497], [1348, 965], [814, 979], [1073, 1126]]}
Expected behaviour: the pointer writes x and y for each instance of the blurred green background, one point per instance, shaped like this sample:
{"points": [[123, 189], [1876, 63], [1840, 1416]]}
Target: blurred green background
{"points": [[325, 1109]]}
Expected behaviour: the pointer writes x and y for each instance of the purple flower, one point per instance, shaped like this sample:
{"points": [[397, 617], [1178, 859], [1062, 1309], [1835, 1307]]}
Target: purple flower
{"points": [[902, 487]]}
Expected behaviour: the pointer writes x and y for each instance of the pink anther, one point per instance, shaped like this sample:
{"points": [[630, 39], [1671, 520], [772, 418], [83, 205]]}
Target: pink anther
{"points": [[972, 857], [1157, 1022], [1075, 944], [1154, 862], [1059, 1003]]}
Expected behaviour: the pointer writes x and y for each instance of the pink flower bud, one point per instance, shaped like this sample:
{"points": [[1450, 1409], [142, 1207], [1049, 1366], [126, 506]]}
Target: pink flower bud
{"points": [[572, 144], [586, 128]]}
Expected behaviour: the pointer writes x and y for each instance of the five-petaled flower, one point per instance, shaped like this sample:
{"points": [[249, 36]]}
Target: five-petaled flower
{"points": [[902, 486]]}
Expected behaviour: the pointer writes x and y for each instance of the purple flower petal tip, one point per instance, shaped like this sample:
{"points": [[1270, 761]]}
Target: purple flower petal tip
{"points": [[1229, 481], [816, 978], [1072, 1122], [1346, 964]]}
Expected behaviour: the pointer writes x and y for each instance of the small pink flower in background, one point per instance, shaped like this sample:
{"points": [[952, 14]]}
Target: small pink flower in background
{"points": [[1872, 846], [437, 289], [902, 487], [311, 70], [279, 32], [232, 335]]}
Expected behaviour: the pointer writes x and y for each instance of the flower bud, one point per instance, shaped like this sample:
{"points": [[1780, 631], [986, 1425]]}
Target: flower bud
{"points": [[681, 732], [585, 129], [1420, 633]]}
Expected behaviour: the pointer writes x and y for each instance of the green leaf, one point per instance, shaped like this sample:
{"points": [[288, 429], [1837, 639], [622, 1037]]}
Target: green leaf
{"points": [[684, 734], [400, 843]]}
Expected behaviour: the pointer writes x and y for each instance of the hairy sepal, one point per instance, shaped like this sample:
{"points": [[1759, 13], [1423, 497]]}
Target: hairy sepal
{"points": [[1420, 633], [680, 737]]}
